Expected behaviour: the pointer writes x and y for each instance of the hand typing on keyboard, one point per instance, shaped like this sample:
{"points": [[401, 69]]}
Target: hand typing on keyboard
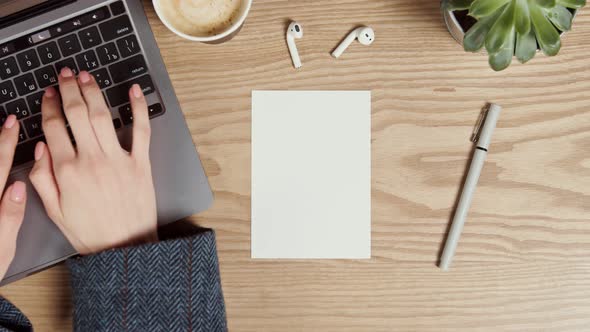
{"points": [[98, 194], [12, 205]]}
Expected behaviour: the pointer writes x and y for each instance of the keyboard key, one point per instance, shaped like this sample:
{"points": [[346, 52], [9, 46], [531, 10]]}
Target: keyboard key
{"points": [[107, 53], [69, 25], [116, 123], [48, 52], [119, 94], [3, 116], [28, 60], [25, 84], [18, 108], [117, 8], [154, 110], [87, 60], [8, 68], [33, 126], [34, 102], [89, 37], [69, 62], [126, 114], [128, 68], [94, 16], [25, 152], [21, 134], [7, 91], [46, 76], [7, 48], [128, 45], [39, 36], [69, 45], [117, 27], [102, 78]]}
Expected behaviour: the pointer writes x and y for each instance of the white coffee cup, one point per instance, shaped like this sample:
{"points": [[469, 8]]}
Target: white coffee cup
{"points": [[219, 37]]}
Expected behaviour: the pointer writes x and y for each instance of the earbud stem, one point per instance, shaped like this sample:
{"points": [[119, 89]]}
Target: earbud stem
{"points": [[345, 43], [293, 51]]}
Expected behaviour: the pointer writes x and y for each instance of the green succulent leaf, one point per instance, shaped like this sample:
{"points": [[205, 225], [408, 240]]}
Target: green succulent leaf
{"points": [[456, 4], [526, 46], [572, 3], [476, 36], [503, 58], [546, 3], [508, 28], [483, 8], [546, 34], [501, 31], [522, 17], [561, 17]]}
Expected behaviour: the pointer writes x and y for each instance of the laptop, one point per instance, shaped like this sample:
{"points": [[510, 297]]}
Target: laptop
{"points": [[113, 41]]}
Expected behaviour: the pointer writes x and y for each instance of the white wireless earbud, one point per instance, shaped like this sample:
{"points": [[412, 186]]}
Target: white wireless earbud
{"points": [[294, 31], [365, 35]]}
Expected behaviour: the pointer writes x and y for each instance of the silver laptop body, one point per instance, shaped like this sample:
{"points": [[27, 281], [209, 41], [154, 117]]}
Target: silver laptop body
{"points": [[123, 52]]}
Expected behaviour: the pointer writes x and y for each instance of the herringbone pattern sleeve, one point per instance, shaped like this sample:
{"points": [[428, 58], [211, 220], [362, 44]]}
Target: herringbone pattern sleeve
{"points": [[11, 319], [167, 286]]}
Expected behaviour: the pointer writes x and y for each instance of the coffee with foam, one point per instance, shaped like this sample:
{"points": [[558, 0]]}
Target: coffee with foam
{"points": [[200, 17]]}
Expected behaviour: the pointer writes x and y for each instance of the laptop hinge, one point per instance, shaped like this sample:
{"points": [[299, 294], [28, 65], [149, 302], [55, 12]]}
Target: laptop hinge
{"points": [[35, 9]]}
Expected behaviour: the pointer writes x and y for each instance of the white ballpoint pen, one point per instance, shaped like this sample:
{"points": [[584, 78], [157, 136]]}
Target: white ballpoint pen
{"points": [[479, 156]]}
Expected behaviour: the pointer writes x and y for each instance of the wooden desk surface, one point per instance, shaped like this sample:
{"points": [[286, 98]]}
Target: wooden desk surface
{"points": [[524, 258]]}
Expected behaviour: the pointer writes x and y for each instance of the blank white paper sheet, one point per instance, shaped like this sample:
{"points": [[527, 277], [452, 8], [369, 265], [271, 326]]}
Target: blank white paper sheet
{"points": [[311, 174]]}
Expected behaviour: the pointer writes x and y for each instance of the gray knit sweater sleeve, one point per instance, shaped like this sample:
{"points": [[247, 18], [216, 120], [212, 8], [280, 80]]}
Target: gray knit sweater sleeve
{"points": [[166, 286]]}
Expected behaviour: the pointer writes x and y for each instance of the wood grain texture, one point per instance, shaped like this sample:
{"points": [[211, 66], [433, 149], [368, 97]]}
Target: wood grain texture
{"points": [[524, 258]]}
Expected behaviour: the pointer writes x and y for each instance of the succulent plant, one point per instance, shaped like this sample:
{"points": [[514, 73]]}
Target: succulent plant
{"points": [[515, 27]]}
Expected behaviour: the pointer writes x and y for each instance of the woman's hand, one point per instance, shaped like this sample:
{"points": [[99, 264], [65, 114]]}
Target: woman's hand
{"points": [[12, 205], [98, 194]]}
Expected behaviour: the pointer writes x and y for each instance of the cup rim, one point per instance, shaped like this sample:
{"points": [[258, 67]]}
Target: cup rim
{"points": [[237, 24]]}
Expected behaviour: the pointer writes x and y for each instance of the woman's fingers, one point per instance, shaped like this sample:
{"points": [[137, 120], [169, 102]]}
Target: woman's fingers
{"points": [[8, 141], [99, 114], [12, 212], [43, 180], [77, 113], [54, 127], [141, 124]]}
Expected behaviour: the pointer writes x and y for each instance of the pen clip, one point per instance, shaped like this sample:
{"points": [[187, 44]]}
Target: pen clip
{"points": [[480, 121]]}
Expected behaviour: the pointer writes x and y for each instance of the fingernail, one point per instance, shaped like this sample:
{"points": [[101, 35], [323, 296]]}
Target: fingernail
{"points": [[84, 77], [18, 192], [136, 90], [39, 150], [66, 72], [50, 92], [10, 121]]}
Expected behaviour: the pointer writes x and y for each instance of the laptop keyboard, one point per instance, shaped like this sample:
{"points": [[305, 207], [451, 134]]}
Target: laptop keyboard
{"points": [[101, 41]]}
